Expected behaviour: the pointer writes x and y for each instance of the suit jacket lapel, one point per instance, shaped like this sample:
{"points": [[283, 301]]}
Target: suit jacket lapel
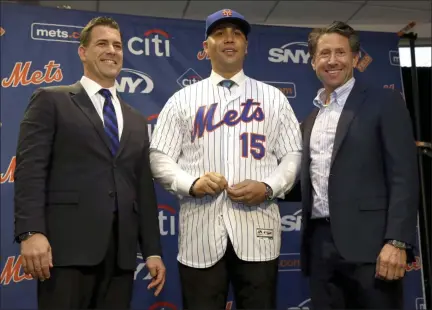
{"points": [[83, 101], [127, 121], [307, 126], [307, 130], [352, 105]]}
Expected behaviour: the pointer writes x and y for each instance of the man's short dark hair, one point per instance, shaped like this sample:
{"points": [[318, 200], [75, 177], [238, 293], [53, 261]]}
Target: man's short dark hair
{"points": [[97, 21], [336, 27]]}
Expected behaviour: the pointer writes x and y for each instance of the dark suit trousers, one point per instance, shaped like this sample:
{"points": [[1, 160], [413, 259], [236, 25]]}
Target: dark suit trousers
{"points": [[338, 284], [104, 286], [254, 284]]}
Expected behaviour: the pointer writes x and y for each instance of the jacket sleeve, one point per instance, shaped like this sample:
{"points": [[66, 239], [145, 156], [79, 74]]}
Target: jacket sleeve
{"points": [[34, 147], [400, 161], [147, 207]]}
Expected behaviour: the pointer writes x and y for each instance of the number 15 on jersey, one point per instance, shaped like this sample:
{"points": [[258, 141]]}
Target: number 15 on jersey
{"points": [[254, 144]]}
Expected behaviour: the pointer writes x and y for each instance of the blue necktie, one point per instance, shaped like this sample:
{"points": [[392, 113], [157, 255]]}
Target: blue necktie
{"points": [[227, 83], [110, 121]]}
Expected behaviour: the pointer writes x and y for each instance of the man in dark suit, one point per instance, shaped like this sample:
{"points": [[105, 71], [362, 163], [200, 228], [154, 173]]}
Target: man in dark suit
{"points": [[358, 182], [84, 194]]}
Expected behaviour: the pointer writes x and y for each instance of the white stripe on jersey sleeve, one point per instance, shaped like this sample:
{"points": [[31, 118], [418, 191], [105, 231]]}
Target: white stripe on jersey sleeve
{"points": [[289, 138], [165, 149], [167, 136]]}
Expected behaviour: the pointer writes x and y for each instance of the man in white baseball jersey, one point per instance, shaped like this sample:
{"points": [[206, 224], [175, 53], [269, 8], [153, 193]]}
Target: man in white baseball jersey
{"points": [[227, 151]]}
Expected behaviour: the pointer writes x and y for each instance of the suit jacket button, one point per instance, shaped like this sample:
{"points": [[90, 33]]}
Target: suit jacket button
{"points": [[111, 193]]}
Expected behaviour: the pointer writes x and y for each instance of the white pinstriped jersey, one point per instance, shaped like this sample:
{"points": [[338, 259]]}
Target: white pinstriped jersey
{"points": [[242, 134]]}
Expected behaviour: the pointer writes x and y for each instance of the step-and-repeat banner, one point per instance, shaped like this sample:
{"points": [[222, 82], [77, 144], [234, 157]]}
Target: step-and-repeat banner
{"points": [[39, 48]]}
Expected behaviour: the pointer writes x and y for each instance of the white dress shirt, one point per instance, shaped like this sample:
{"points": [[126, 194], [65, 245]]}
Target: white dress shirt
{"points": [[321, 145]]}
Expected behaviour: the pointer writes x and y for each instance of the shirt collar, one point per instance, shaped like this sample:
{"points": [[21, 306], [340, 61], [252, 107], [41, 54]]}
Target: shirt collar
{"points": [[340, 94], [238, 78], [92, 88]]}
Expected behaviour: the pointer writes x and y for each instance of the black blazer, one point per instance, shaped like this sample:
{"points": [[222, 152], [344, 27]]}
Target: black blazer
{"points": [[373, 183], [66, 180]]}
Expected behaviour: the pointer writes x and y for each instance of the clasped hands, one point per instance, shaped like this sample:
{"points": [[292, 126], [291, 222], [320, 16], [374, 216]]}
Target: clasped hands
{"points": [[248, 192]]}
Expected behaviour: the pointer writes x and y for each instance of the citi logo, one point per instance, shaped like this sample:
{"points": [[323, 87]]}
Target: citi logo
{"points": [[189, 77], [156, 42], [167, 220]]}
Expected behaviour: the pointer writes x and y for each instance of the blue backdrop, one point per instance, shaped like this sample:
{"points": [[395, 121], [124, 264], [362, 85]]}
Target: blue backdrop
{"points": [[39, 48]]}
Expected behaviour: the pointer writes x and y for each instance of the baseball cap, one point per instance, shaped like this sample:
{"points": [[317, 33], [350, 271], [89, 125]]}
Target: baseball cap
{"points": [[226, 15]]}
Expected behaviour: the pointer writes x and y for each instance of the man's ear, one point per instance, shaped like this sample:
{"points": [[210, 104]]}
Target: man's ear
{"points": [[81, 52], [313, 63]]}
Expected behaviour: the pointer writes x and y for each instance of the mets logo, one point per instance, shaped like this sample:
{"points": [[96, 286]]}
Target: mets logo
{"points": [[364, 60], [204, 119], [227, 12]]}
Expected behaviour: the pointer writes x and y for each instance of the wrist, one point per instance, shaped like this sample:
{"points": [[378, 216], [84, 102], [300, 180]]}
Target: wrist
{"points": [[25, 236], [397, 244], [268, 191], [191, 189]]}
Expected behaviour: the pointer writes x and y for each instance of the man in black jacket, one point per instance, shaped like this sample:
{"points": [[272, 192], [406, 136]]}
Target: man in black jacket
{"points": [[84, 193], [359, 183]]}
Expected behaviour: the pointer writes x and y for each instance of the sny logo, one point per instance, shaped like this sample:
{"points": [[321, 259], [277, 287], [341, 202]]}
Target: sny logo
{"points": [[295, 51], [188, 78], [134, 78], [8, 176], [151, 46], [292, 222], [20, 75]]}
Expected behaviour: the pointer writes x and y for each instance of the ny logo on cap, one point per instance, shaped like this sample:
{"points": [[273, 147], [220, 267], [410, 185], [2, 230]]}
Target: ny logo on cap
{"points": [[227, 12]]}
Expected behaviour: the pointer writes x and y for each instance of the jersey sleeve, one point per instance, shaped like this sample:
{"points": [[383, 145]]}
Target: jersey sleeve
{"points": [[287, 150], [289, 139], [168, 136]]}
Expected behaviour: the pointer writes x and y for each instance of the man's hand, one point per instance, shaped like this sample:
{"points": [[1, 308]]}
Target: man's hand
{"points": [[37, 256], [391, 263], [211, 183], [157, 270], [248, 192]]}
